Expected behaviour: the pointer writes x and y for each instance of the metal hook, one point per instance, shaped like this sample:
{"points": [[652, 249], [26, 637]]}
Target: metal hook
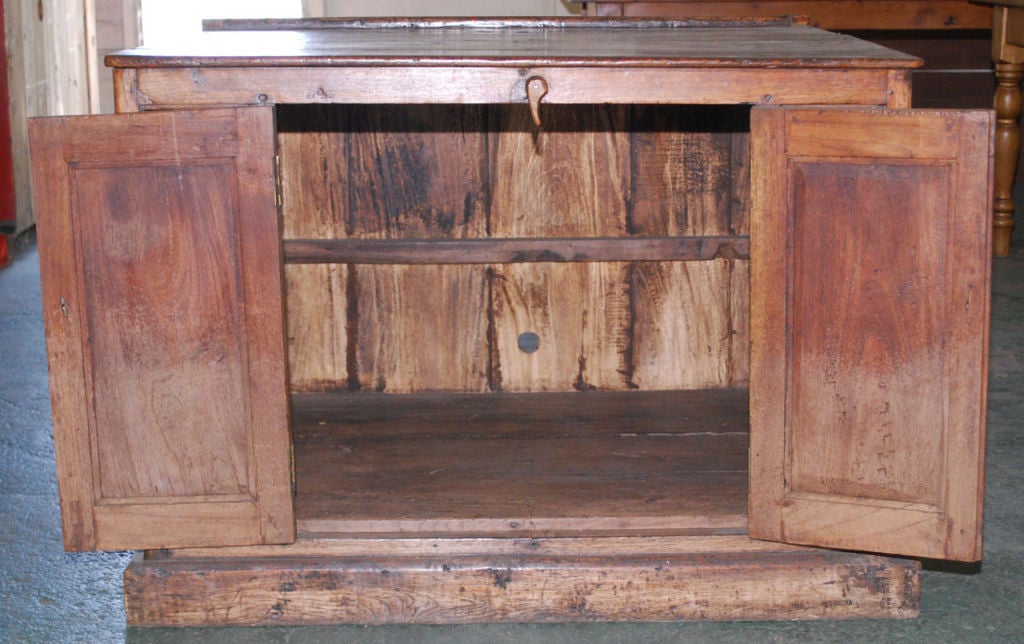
{"points": [[536, 89]]}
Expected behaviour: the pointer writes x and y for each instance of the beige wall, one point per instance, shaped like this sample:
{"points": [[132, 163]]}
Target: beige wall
{"points": [[117, 27], [447, 8], [54, 68], [47, 75]]}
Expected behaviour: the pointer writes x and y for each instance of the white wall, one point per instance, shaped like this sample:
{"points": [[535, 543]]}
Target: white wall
{"points": [[166, 23], [408, 8]]}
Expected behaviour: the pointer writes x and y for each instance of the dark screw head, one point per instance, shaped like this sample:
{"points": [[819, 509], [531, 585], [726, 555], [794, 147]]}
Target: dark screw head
{"points": [[528, 342]]}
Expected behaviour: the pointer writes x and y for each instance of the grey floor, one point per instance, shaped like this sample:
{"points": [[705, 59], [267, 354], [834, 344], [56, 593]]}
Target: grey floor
{"points": [[47, 595]]}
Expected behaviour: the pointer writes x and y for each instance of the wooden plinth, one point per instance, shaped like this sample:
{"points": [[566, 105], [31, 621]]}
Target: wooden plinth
{"points": [[424, 581]]}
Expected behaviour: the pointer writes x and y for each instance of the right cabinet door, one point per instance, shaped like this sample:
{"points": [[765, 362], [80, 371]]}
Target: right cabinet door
{"points": [[870, 284]]}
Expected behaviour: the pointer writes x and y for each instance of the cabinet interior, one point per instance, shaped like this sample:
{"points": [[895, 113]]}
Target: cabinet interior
{"points": [[569, 354]]}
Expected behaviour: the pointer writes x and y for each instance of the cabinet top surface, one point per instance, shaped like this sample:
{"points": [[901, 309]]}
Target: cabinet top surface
{"points": [[508, 42]]}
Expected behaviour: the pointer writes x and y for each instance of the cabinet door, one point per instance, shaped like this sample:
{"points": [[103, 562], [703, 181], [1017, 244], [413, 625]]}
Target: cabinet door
{"points": [[869, 324], [160, 258]]}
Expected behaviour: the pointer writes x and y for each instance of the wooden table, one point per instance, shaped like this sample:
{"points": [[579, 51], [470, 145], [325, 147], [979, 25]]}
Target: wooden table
{"points": [[836, 15], [454, 321]]}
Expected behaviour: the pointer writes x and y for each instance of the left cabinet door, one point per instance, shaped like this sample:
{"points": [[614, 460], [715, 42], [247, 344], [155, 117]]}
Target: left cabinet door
{"points": [[162, 298]]}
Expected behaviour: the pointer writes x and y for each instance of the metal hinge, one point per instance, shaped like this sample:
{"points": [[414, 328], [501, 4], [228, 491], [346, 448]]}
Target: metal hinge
{"points": [[278, 184], [291, 465]]}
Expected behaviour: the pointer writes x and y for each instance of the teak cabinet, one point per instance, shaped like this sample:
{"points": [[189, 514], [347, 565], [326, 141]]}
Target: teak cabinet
{"points": [[368, 321]]}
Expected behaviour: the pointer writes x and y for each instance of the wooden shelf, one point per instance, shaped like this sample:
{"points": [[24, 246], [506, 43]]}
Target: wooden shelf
{"points": [[497, 251], [516, 464]]}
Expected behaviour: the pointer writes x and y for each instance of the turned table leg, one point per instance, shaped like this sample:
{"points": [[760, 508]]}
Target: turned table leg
{"points": [[1008, 55], [1007, 147]]}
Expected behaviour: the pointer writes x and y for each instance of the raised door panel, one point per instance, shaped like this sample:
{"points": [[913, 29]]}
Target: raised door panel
{"points": [[160, 258], [870, 299]]}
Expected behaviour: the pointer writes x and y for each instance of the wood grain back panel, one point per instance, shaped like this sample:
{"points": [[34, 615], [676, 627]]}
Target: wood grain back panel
{"points": [[421, 328], [465, 172], [691, 176], [689, 324], [313, 145], [579, 314], [419, 172], [388, 173], [567, 179], [690, 170]]}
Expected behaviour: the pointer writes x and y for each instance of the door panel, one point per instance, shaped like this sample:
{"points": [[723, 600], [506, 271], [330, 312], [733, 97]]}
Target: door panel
{"points": [[869, 297], [160, 259]]}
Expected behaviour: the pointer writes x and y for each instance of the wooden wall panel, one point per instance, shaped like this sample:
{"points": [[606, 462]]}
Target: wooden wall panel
{"points": [[313, 147], [739, 222], [689, 177], [401, 172], [684, 327], [118, 26], [419, 172], [422, 328], [581, 316], [739, 308], [317, 305], [570, 178]]}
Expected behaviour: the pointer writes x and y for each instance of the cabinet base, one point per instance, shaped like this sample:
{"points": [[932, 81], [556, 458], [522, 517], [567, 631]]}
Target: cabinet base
{"points": [[717, 577]]}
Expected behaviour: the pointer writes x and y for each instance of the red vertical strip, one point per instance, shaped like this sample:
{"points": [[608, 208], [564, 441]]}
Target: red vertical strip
{"points": [[8, 214]]}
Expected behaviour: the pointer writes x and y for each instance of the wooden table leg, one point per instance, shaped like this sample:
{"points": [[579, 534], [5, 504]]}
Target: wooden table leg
{"points": [[1007, 146], [1008, 55]]}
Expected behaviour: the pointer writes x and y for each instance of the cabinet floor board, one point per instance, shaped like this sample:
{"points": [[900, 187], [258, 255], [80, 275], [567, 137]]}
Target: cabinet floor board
{"points": [[521, 464]]}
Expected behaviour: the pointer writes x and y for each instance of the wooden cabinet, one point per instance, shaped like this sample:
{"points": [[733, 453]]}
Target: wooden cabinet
{"points": [[526, 372]]}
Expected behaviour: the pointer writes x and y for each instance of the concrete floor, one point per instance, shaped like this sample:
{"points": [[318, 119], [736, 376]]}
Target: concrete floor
{"points": [[47, 595]]}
